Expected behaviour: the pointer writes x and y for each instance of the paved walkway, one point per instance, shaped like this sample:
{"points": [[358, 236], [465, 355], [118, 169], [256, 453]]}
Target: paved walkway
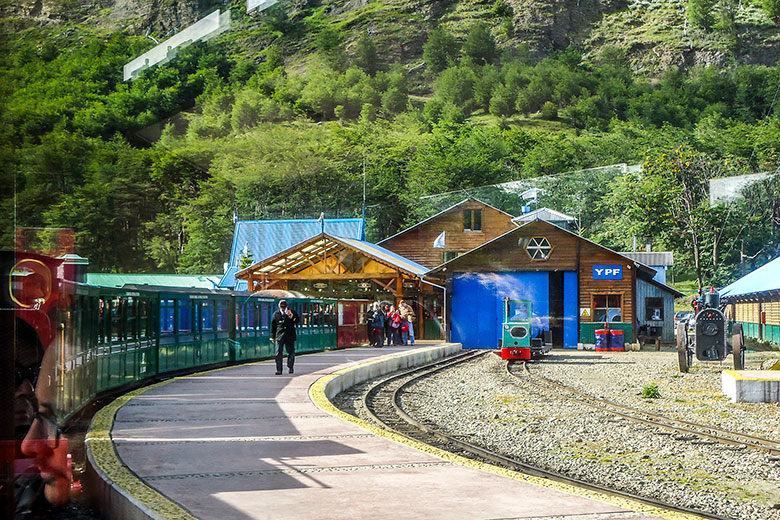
{"points": [[244, 443]]}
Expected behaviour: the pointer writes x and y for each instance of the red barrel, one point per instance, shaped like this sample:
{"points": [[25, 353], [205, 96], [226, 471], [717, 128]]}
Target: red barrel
{"points": [[617, 342], [602, 340]]}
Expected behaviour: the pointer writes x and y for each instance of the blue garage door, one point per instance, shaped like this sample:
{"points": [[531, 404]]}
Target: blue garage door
{"points": [[477, 299], [571, 323]]}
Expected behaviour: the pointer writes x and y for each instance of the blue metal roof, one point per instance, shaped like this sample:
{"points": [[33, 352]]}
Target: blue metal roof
{"points": [[765, 278], [265, 238], [386, 255]]}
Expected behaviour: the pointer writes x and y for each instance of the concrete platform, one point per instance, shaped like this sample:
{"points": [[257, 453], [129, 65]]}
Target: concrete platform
{"points": [[243, 443], [751, 386]]}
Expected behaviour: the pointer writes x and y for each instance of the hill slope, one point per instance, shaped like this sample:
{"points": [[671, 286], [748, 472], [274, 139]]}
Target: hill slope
{"points": [[653, 33]]}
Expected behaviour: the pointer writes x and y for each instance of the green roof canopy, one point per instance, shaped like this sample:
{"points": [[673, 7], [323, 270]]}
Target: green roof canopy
{"points": [[197, 281]]}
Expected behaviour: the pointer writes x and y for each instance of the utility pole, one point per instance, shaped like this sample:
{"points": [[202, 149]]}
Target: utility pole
{"points": [[363, 237]]}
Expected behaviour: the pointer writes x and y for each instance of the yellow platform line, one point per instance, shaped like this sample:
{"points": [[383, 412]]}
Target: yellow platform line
{"points": [[318, 397]]}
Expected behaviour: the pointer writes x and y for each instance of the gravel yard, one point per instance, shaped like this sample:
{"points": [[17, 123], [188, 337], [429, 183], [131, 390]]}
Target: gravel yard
{"points": [[480, 402]]}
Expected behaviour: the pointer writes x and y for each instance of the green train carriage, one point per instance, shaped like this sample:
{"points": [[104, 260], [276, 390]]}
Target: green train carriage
{"points": [[115, 339]]}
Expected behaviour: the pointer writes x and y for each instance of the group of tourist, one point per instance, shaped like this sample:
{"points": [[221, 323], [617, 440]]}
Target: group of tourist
{"points": [[388, 325]]}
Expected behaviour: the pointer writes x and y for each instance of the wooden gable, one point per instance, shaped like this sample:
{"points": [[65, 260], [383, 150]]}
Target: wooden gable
{"points": [[416, 243], [568, 252], [327, 257]]}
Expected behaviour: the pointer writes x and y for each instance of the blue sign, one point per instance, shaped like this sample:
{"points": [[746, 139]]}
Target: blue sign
{"points": [[607, 272]]}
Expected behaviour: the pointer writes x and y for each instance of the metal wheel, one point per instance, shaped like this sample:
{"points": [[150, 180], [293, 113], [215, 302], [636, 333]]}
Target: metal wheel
{"points": [[738, 347], [682, 348]]}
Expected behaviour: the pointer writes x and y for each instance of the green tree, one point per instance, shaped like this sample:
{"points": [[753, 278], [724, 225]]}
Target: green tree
{"points": [[394, 101], [480, 45], [365, 55], [247, 259], [727, 21], [277, 18], [456, 85], [330, 44], [502, 102], [484, 85], [772, 9], [700, 13], [439, 51]]}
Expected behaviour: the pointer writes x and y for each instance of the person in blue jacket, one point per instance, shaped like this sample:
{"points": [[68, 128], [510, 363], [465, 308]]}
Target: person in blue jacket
{"points": [[377, 325]]}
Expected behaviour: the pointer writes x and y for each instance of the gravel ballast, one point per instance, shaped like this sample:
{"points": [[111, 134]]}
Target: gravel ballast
{"points": [[480, 402]]}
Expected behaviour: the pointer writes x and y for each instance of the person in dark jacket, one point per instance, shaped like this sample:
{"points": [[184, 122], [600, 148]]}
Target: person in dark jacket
{"points": [[283, 333], [387, 324], [377, 325]]}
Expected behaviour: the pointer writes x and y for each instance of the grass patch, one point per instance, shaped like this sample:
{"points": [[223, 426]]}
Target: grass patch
{"points": [[651, 391]]}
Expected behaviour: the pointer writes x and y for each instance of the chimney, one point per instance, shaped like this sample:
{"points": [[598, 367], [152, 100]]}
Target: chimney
{"points": [[648, 244], [634, 250]]}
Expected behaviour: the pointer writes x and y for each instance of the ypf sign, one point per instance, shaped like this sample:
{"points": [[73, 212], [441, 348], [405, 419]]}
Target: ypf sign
{"points": [[607, 272]]}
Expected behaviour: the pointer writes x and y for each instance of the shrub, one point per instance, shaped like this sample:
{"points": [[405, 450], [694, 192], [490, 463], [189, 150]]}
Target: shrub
{"points": [[549, 111]]}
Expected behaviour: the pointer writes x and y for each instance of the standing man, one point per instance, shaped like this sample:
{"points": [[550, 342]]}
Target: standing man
{"points": [[283, 333]]}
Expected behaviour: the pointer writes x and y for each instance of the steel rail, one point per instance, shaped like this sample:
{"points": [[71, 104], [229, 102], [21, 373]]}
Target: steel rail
{"points": [[418, 431], [705, 431]]}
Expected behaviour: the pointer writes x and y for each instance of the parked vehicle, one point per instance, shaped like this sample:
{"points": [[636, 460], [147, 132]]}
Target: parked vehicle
{"points": [[681, 317]]}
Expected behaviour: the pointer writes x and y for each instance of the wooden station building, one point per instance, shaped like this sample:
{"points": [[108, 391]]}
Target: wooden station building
{"points": [[449, 233], [575, 285]]}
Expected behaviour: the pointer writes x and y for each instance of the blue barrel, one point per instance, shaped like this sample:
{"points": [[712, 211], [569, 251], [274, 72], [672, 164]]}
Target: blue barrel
{"points": [[617, 341], [602, 340]]}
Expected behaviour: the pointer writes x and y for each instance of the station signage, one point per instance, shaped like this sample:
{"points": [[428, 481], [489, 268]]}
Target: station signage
{"points": [[607, 272]]}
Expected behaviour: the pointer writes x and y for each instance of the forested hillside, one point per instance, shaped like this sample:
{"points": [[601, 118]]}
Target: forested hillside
{"points": [[281, 116]]}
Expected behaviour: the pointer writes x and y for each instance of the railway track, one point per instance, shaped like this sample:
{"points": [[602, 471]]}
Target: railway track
{"points": [[383, 403], [689, 430]]}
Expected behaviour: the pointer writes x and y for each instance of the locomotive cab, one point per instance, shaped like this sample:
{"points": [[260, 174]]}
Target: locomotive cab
{"points": [[710, 334], [517, 341]]}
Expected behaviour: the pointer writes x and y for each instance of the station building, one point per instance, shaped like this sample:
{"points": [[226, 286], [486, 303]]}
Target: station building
{"points": [[574, 285], [457, 266], [330, 266], [754, 301], [449, 233]]}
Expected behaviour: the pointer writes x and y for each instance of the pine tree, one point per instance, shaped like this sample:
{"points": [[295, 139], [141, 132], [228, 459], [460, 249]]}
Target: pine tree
{"points": [[700, 13], [246, 259], [480, 45], [439, 51], [365, 55]]}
